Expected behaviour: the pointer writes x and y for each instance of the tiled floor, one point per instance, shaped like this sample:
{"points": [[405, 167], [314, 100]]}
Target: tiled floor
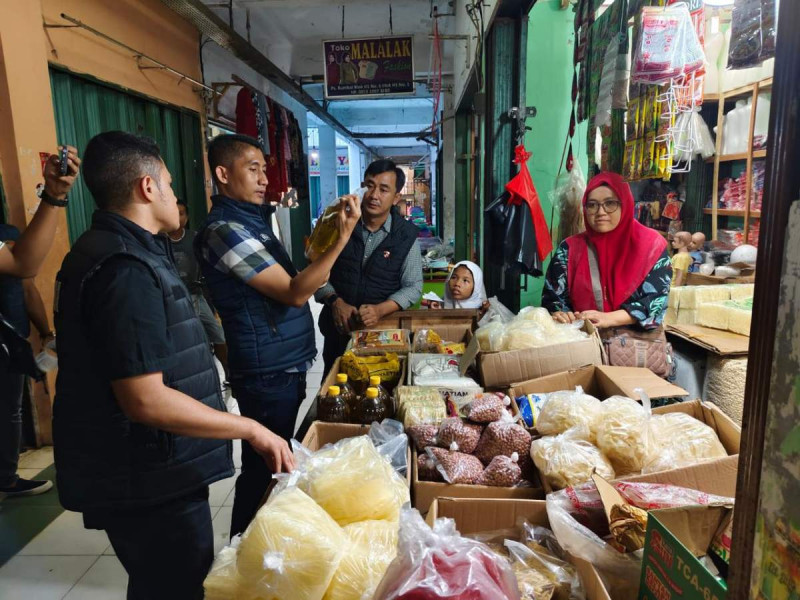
{"points": [[66, 561]]}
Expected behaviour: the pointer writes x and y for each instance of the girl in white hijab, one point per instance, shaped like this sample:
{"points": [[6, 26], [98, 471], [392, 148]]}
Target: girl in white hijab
{"points": [[464, 287]]}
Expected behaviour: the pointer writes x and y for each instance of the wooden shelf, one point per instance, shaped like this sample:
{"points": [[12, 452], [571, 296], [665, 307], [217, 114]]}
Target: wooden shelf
{"points": [[759, 154], [746, 90], [724, 212], [740, 156]]}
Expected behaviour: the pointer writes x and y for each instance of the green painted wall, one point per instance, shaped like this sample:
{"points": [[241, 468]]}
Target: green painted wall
{"points": [[549, 88]]}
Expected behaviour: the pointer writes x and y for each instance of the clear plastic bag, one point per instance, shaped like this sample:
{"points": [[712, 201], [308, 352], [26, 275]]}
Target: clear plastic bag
{"points": [[678, 440], [456, 434], [440, 564], [579, 522], [390, 440], [622, 434], [503, 471], [291, 549], [668, 45], [564, 410], [426, 468], [503, 437], [222, 581], [568, 459], [427, 341], [490, 336], [456, 467], [372, 547], [487, 407], [418, 405], [568, 197], [497, 312], [754, 24]]}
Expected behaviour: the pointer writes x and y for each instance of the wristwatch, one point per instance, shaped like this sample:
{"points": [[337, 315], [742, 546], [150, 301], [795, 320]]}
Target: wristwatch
{"points": [[45, 197], [329, 300]]}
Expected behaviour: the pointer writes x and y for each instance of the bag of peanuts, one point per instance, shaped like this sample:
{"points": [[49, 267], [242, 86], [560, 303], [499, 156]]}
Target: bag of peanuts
{"points": [[456, 467], [426, 468], [503, 471], [456, 434], [487, 407], [423, 435], [503, 438]]}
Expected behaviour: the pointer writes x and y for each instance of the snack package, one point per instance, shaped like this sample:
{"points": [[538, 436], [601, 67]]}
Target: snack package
{"points": [[503, 471], [754, 24], [456, 434], [440, 371], [352, 481], [372, 547], [628, 525], [564, 410], [503, 438], [456, 467], [385, 340], [360, 368], [438, 563], [420, 406], [291, 549], [679, 440], [667, 46], [423, 435], [622, 433], [427, 341], [568, 459], [487, 407], [530, 407], [579, 522], [426, 468]]}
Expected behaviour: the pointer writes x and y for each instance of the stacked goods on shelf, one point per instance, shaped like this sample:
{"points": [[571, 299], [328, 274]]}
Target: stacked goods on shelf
{"points": [[732, 315], [705, 305]]}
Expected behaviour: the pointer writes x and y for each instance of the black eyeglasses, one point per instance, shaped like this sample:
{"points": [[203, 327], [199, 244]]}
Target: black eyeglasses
{"points": [[609, 207]]}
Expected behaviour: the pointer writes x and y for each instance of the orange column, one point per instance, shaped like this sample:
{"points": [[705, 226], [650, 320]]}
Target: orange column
{"points": [[27, 127]]}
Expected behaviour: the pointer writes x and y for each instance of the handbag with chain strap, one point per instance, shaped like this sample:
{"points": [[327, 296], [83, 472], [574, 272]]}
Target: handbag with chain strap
{"points": [[627, 345]]}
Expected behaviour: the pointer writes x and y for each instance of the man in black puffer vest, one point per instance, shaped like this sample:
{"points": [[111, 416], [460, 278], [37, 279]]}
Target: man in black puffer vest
{"points": [[379, 271], [140, 427]]}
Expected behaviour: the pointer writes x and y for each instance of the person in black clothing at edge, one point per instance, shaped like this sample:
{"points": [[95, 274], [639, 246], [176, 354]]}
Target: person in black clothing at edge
{"points": [[380, 270], [262, 301], [140, 428]]}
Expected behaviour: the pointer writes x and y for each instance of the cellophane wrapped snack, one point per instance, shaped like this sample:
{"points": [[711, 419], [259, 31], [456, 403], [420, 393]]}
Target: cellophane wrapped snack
{"points": [[668, 45], [423, 435], [622, 434], [417, 405], [372, 547], [503, 438], [677, 440], [567, 409], [487, 407], [465, 436], [532, 328], [568, 459], [290, 550], [426, 468], [438, 564], [579, 522], [456, 467], [387, 340], [503, 471], [490, 336], [353, 482], [427, 341]]}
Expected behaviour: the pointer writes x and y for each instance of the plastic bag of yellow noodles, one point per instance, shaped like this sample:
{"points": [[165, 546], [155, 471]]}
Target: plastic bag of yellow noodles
{"points": [[353, 482], [373, 545], [222, 581], [290, 550]]}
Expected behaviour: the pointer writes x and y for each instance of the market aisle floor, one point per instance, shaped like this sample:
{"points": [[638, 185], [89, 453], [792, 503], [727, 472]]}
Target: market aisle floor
{"points": [[46, 554]]}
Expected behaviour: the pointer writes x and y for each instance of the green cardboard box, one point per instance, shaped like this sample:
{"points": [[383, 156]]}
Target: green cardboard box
{"points": [[675, 538]]}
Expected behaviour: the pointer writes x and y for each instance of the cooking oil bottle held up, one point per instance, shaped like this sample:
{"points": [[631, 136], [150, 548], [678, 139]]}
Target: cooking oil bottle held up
{"points": [[370, 408], [386, 398], [331, 407]]}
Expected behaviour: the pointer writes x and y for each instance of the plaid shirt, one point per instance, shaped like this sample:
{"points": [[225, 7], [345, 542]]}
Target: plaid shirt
{"points": [[231, 249]]}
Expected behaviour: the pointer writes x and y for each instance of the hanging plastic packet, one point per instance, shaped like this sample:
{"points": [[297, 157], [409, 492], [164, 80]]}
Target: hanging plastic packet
{"points": [[754, 24], [668, 45]]}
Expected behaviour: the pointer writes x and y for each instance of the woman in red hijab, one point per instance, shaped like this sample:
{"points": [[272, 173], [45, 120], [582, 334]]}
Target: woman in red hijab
{"points": [[632, 263]]}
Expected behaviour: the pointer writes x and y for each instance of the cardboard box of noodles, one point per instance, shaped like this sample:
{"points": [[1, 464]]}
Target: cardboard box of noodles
{"points": [[478, 515], [499, 370], [321, 434], [675, 538]]}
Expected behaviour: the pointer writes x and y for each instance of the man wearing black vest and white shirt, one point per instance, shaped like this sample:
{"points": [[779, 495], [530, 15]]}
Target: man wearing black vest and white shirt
{"points": [[379, 271], [140, 428]]}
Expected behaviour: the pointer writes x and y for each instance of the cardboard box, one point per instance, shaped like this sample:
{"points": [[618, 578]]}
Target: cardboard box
{"points": [[499, 370], [601, 381], [675, 538], [423, 493], [747, 276], [320, 434], [481, 515], [421, 319], [724, 343]]}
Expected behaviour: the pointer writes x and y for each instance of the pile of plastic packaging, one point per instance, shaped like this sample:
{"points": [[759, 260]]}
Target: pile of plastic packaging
{"points": [[533, 327]]}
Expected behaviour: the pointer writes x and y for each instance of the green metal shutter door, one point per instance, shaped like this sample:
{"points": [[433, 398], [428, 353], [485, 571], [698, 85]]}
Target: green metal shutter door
{"points": [[342, 185], [84, 107]]}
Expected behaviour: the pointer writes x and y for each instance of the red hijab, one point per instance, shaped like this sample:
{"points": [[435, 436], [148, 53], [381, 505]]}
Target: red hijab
{"points": [[625, 255]]}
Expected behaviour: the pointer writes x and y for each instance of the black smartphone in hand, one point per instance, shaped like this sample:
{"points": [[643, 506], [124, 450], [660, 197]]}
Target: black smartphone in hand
{"points": [[64, 161]]}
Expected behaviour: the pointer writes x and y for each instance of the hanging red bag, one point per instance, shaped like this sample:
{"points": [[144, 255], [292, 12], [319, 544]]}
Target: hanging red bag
{"points": [[522, 190]]}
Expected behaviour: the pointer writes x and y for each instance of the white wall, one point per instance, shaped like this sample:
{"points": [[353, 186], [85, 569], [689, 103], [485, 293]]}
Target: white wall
{"points": [[464, 52]]}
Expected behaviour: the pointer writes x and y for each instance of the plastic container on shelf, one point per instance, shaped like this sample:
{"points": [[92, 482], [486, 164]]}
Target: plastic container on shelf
{"points": [[762, 119]]}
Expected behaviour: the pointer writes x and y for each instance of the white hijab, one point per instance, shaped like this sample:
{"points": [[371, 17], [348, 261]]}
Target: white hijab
{"points": [[478, 292]]}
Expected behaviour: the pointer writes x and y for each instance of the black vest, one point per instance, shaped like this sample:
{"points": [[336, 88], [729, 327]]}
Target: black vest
{"points": [[373, 282], [103, 460]]}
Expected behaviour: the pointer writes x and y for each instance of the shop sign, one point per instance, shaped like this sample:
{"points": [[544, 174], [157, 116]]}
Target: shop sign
{"points": [[342, 162], [367, 67]]}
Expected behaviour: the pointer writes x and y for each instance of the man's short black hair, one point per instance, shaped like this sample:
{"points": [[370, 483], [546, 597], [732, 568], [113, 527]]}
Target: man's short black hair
{"points": [[385, 165], [182, 202], [114, 162], [224, 149]]}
